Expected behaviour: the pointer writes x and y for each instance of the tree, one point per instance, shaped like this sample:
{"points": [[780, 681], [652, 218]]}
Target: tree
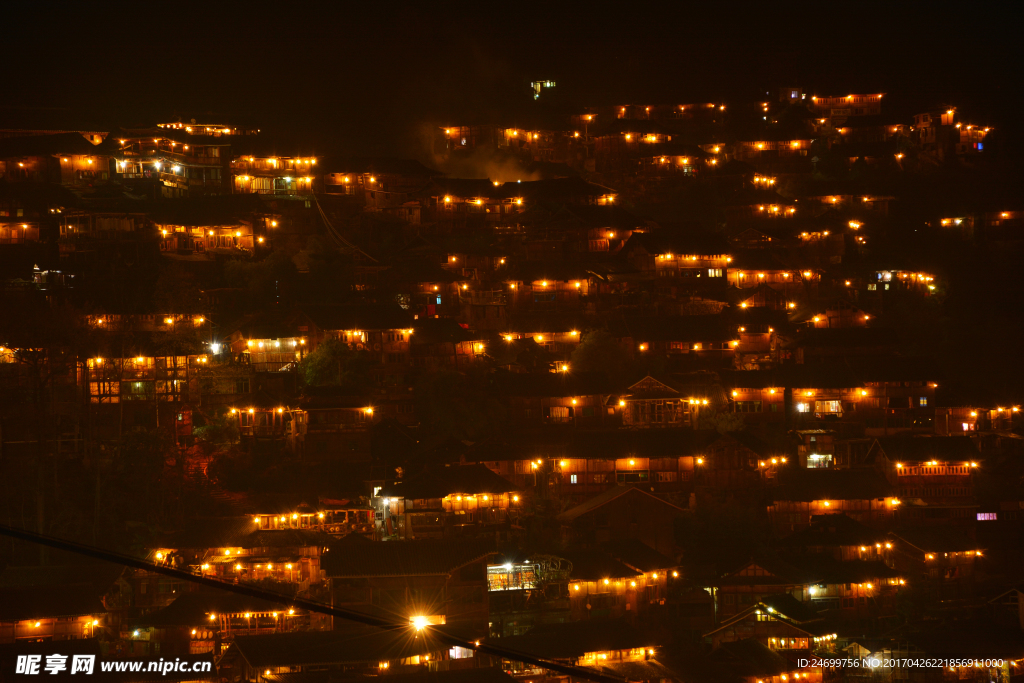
{"points": [[335, 364], [599, 352]]}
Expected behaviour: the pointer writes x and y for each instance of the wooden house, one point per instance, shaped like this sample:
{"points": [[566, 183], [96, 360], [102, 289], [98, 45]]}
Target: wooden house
{"points": [[856, 588], [696, 256], [68, 159], [50, 604], [206, 622], [564, 397], [574, 465], [257, 167], [862, 494], [621, 513], [779, 622], [378, 183], [943, 560], [248, 548], [440, 581], [350, 648], [617, 646], [936, 476], [453, 501], [847, 105], [174, 162]]}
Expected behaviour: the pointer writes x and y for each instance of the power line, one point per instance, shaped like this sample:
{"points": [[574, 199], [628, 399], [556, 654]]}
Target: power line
{"points": [[438, 632]]}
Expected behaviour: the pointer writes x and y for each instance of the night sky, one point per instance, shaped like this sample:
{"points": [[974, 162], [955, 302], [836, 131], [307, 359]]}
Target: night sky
{"points": [[369, 79]]}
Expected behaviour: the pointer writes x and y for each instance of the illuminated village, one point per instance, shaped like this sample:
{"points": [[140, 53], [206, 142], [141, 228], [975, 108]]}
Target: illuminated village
{"points": [[662, 391]]}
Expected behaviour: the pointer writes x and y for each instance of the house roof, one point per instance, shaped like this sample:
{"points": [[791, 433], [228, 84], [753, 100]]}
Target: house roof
{"points": [[34, 592], [638, 555], [192, 609], [678, 242], [241, 532], [214, 210], [51, 145], [623, 126], [800, 376], [593, 216], [796, 484], [912, 449], [440, 482], [834, 529], [481, 674], [775, 573], [383, 165], [686, 328], [355, 556], [607, 496], [358, 317], [574, 639], [750, 657], [786, 606], [596, 565], [783, 607], [840, 337], [551, 384], [351, 644], [551, 441], [440, 331], [41, 602], [827, 569], [943, 539], [553, 189]]}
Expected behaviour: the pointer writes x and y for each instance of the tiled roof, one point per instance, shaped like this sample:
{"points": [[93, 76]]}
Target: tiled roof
{"points": [[834, 529], [807, 485], [352, 644], [597, 444], [942, 539], [750, 658], [49, 145], [358, 317], [638, 555], [553, 384], [573, 640], [491, 674], [595, 565], [42, 602], [355, 556], [606, 497], [438, 483], [913, 449], [192, 609], [242, 532], [688, 328]]}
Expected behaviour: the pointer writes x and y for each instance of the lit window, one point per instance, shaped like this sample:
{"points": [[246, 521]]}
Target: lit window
{"points": [[988, 516], [572, 479]]}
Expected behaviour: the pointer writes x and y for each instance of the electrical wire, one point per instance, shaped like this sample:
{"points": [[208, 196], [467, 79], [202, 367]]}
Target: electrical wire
{"points": [[439, 632]]}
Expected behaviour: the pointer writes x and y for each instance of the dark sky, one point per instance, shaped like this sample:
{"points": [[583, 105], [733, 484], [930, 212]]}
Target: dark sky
{"points": [[368, 78]]}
